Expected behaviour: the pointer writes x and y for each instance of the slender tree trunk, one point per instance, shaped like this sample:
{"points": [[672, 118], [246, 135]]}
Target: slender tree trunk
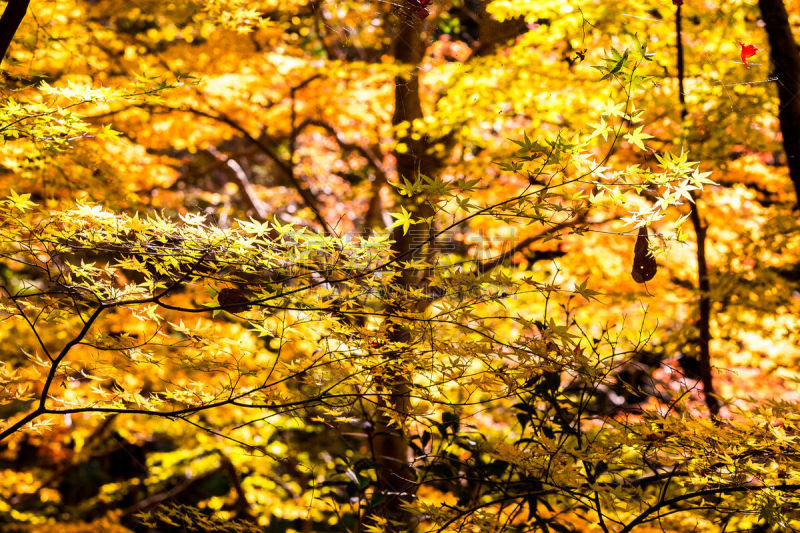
{"points": [[704, 312], [396, 478], [785, 57], [703, 282], [10, 21]]}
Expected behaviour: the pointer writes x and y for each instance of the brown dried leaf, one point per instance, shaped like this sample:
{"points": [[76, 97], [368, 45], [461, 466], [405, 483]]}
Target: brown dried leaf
{"points": [[644, 264], [234, 300]]}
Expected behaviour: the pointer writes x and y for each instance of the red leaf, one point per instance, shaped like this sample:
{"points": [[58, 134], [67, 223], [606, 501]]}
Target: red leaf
{"points": [[748, 50]]}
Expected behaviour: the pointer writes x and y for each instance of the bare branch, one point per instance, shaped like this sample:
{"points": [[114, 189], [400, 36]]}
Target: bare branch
{"points": [[247, 187]]}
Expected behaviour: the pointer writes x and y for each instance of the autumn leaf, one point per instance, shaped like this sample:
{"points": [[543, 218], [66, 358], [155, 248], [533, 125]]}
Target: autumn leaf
{"points": [[747, 51], [403, 219], [644, 264]]}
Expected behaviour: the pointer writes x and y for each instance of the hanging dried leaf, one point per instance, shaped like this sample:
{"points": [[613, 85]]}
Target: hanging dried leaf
{"points": [[234, 300], [644, 264]]}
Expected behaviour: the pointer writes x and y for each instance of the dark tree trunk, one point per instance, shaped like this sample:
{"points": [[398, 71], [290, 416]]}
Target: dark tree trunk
{"points": [[703, 281], [396, 478], [10, 21], [704, 307], [785, 58]]}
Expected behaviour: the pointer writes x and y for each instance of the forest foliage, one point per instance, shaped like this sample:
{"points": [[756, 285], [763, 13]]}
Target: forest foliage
{"points": [[406, 265]]}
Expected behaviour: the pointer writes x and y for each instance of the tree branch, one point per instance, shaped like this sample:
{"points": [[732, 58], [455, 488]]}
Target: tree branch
{"points": [[699, 494], [9, 23], [247, 188], [307, 197], [364, 151]]}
